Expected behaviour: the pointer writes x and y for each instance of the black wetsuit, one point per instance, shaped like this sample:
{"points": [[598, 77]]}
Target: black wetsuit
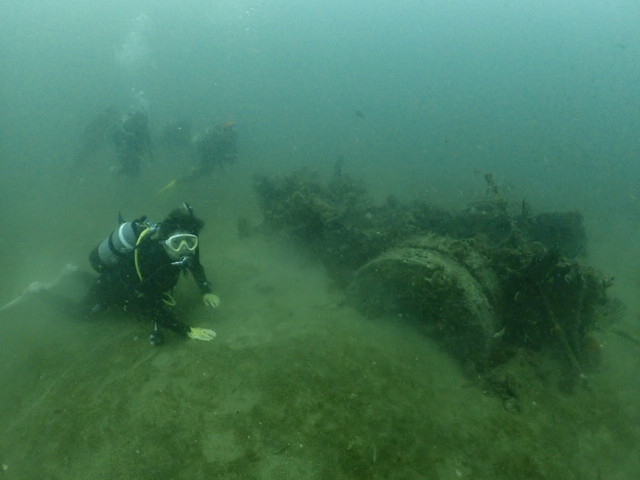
{"points": [[121, 286], [217, 147], [133, 141]]}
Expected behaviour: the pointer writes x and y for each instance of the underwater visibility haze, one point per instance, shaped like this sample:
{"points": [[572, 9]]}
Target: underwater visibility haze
{"points": [[455, 114]]}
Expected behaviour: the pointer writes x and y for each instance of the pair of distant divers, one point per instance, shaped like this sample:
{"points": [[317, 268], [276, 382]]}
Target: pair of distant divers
{"points": [[130, 135]]}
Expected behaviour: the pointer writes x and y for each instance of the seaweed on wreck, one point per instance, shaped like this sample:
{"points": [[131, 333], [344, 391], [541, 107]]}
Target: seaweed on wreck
{"points": [[489, 282], [335, 219]]}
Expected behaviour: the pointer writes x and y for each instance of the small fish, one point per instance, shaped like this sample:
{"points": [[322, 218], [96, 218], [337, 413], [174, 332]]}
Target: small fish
{"points": [[360, 114]]}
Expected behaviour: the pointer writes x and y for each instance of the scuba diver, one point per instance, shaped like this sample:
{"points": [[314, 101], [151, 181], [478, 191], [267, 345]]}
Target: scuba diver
{"points": [[217, 146], [132, 140], [139, 265]]}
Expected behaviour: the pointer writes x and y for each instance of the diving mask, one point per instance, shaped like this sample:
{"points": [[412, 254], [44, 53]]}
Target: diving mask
{"points": [[182, 243]]}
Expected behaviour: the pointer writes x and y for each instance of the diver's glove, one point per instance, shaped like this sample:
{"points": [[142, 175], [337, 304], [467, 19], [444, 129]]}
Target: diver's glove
{"points": [[211, 300], [204, 334]]}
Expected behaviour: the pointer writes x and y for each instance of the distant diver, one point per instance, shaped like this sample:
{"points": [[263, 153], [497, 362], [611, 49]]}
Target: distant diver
{"points": [[128, 134], [217, 146], [133, 141]]}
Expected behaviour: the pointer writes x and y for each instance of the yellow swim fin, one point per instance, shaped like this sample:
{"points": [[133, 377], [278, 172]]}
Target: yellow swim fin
{"points": [[168, 186]]}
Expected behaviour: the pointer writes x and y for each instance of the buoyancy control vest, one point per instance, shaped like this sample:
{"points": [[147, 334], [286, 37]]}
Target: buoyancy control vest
{"points": [[119, 244]]}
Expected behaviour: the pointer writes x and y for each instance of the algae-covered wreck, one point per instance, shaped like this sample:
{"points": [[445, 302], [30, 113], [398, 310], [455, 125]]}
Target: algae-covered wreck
{"points": [[502, 289]]}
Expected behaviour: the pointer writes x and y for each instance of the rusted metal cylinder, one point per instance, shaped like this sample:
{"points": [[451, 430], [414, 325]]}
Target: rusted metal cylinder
{"points": [[445, 286]]}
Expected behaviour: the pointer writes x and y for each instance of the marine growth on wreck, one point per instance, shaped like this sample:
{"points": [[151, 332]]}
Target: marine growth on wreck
{"points": [[502, 289]]}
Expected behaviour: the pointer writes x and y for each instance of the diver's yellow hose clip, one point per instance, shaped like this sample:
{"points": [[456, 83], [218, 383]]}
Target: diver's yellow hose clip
{"points": [[168, 299], [136, 260]]}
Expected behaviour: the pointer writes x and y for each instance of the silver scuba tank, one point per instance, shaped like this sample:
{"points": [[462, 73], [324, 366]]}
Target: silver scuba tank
{"points": [[119, 243]]}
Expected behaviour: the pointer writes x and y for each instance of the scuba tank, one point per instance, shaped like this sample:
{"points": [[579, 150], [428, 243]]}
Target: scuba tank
{"points": [[119, 244]]}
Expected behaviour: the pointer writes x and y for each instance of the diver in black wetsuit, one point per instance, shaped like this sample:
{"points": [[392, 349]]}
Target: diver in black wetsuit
{"points": [[217, 146], [140, 264], [133, 141]]}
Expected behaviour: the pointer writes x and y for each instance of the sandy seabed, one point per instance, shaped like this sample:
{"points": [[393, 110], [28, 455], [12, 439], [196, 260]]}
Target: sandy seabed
{"points": [[297, 385]]}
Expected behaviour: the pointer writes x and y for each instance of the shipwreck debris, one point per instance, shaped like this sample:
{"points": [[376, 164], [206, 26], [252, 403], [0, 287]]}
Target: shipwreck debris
{"points": [[493, 282]]}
